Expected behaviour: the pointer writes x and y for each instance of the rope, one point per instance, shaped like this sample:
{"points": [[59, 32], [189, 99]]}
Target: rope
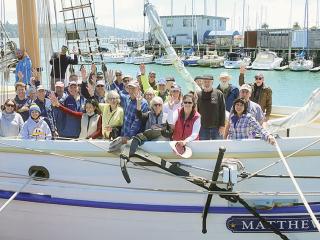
{"points": [[306, 204], [278, 161], [17, 192]]}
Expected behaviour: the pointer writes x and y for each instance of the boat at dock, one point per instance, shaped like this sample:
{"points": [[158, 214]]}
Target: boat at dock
{"points": [[236, 60], [266, 60], [301, 63]]}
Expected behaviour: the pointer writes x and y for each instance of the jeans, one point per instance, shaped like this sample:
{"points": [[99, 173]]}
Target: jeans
{"points": [[209, 134]]}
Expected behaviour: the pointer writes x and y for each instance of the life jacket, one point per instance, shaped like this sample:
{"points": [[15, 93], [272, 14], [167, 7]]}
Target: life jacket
{"points": [[183, 128]]}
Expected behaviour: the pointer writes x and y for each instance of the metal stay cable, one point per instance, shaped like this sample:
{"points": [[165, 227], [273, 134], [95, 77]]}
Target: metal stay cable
{"points": [[202, 191], [278, 161], [83, 159], [306, 204]]}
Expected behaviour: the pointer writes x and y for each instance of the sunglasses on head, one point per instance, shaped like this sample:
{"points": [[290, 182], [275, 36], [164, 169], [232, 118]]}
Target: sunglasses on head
{"points": [[187, 102]]}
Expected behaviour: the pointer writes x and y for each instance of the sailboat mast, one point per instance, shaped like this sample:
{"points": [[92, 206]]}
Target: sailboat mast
{"points": [[28, 29], [114, 19]]}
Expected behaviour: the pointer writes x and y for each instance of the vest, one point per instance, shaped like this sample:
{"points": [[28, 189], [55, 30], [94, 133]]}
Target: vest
{"points": [[183, 129], [87, 128]]}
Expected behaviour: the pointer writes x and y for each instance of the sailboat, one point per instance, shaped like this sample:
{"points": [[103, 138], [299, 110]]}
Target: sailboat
{"points": [[301, 63], [77, 189]]}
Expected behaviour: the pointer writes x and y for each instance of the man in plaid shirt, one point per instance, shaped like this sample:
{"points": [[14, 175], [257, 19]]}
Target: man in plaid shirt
{"points": [[132, 125]]}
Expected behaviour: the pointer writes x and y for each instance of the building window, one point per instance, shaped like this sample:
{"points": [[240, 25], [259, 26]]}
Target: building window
{"points": [[208, 22], [220, 23], [186, 22], [169, 22]]}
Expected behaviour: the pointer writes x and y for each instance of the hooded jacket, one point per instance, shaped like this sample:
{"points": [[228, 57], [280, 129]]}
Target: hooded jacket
{"points": [[35, 130], [10, 124]]}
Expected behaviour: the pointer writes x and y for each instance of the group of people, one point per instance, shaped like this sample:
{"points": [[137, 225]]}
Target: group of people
{"points": [[111, 105]]}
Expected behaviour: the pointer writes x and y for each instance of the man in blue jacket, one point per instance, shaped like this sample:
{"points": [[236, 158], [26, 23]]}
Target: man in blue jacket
{"points": [[230, 92], [23, 68]]}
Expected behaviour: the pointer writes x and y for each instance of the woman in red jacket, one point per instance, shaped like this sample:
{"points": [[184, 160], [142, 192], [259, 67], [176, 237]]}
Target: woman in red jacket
{"points": [[187, 122]]}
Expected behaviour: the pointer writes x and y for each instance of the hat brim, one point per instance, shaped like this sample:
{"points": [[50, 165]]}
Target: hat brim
{"points": [[187, 153]]}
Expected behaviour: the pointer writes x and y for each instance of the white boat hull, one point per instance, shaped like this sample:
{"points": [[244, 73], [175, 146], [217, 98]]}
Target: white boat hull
{"points": [[301, 65], [144, 59], [87, 197], [236, 64], [25, 220]]}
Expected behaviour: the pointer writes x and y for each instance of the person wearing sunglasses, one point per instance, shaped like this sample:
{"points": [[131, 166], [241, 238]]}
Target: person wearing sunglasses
{"points": [[153, 123], [261, 94], [11, 122], [186, 121]]}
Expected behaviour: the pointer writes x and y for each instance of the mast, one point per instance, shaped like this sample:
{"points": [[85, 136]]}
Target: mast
{"points": [[243, 16], [114, 19], [28, 30], [192, 5]]}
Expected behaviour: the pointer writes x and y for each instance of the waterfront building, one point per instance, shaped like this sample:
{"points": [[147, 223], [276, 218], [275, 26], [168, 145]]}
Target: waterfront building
{"points": [[180, 30]]}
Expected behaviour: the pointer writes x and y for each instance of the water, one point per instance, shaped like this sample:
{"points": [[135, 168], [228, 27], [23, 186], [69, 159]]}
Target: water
{"points": [[288, 88]]}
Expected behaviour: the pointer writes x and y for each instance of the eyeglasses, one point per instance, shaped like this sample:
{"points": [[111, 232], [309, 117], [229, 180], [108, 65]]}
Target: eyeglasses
{"points": [[152, 76], [258, 78], [10, 105], [157, 104], [187, 102], [125, 81], [100, 86], [113, 99], [118, 75]]}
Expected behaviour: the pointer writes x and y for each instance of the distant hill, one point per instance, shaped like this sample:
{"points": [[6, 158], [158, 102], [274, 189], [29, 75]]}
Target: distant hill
{"points": [[103, 31]]}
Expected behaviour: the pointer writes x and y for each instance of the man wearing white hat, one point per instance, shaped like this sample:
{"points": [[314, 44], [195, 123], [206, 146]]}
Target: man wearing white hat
{"points": [[230, 92], [253, 108]]}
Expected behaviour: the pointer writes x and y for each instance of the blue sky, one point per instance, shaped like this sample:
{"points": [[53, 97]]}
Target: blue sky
{"points": [[129, 12]]}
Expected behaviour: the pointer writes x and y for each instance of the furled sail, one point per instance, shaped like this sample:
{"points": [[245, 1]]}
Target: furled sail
{"points": [[155, 27], [305, 115]]}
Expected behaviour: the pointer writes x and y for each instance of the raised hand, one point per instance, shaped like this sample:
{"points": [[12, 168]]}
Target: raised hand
{"points": [[84, 74], [93, 68], [243, 69], [110, 76], [90, 89], [94, 79], [54, 100], [139, 98], [20, 76], [142, 68]]}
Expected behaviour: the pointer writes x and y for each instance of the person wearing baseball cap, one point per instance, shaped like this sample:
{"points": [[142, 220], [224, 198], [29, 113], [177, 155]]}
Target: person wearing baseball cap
{"points": [[230, 92], [131, 124], [150, 82], [211, 106], [169, 82], [59, 90], [261, 94], [161, 90], [253, 108]]}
